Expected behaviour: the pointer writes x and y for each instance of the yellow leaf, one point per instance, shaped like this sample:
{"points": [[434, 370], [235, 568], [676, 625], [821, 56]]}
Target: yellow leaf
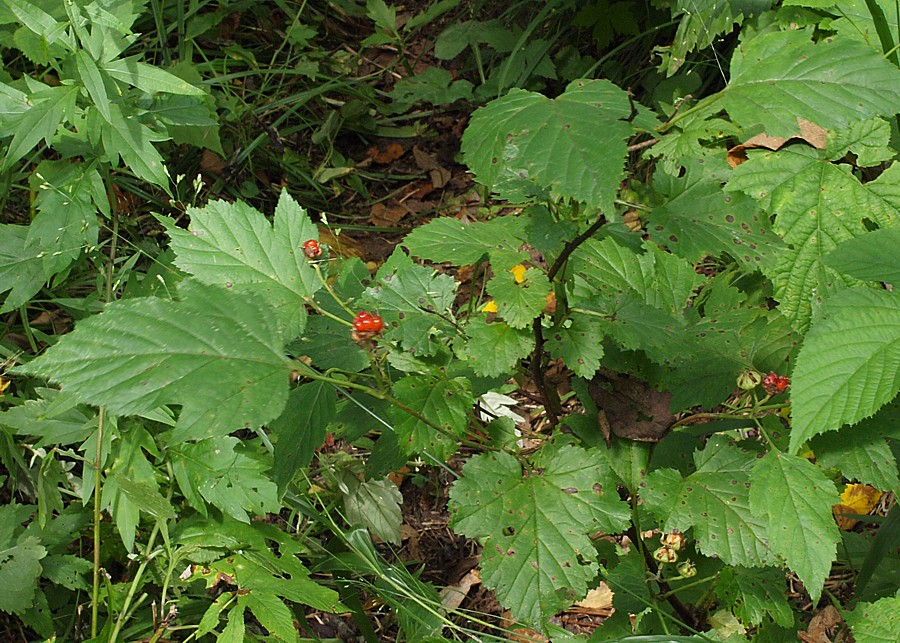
{"points": [[518, 273], [490, 307], [860, 497], [4, 384]]}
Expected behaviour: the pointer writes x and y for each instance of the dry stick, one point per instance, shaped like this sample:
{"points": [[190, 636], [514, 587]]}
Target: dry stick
{"points": [[552, 405]]}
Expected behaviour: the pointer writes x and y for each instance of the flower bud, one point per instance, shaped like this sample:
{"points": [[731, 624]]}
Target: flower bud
{"points": [[665, 555]]}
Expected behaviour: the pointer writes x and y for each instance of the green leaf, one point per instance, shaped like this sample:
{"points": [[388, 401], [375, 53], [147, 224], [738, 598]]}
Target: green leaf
{"points": [[849, 364], [573, 145], [534, 525], [877, 622], [225, 477], [754, 594], [21, 269], [779, 77], [859, 455], [868, 140], [579, 344], [53, 417], [67, 571], [327, 343], [449, 239], [235, 630], [608, 269], [715, 502], [696, 219], [375, 504], [300, 429], [444, 403], [148, 78], [415, 302], [817, 205], [383, 16], [271, 612], [234, 246], [870, 257], [39, 121], [126, 137], [92, 80], [67, 197], [20, 564], [795, 497], [496, 348], [39, 21], [519, 303], [212, 352]]}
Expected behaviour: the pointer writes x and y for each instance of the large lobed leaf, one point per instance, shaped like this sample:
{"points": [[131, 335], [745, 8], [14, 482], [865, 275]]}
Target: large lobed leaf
{"points": [[715, 501], [778, 77], [213, 352], [534, 525], [572, 146], [233, 245], [849, 364], [817, 205]]}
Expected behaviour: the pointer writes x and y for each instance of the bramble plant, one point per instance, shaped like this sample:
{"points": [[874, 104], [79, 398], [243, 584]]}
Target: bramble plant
{"points": [[733, 354]]}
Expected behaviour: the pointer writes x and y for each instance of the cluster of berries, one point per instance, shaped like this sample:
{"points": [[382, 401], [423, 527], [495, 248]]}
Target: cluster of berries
{"points": [[668, 554], [311, 249], [366, 326], [774, 384]]}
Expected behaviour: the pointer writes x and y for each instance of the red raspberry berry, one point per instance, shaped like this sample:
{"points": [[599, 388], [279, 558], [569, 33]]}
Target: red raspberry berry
{"points": [[311, 248], [366, 325], [774, 384]]}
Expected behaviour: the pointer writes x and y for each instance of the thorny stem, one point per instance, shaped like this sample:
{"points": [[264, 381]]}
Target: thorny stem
{"points": [[552, 404]]}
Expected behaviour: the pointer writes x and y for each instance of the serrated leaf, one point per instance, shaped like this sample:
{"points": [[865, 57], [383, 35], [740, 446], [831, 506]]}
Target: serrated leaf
{"points": [[715, 502], [519, 303], [794, 496], [415, 302], [870, 257], [234, 246], [877, 622], [534, 525], [868, 140], [578, 344], [817, 205], [212, 352], [858, 455], [20, 566], [21, 267], [573, 145], [235, 630], [271, 613], [696, 219], [445, 403], [327, 343], [39, 121], [93, 81], [778, 77], [449, 239], [148, 78], [496, 348], [375, 504], [300, 429], [66, 571], [225, 477], [126, 137], [661, 280], [54, 417], [684, 143], [754, 594], [849, 364]]}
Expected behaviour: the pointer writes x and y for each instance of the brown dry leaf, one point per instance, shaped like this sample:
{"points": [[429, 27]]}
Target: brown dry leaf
{"points": [[631, 408], [452, 596], [388, 155], [342, 245], [856, 499], [598, 601], [387, 214], [632, 220], [439, 176], [824, 625], [212, 162], [520, 634], [809, 132]]}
